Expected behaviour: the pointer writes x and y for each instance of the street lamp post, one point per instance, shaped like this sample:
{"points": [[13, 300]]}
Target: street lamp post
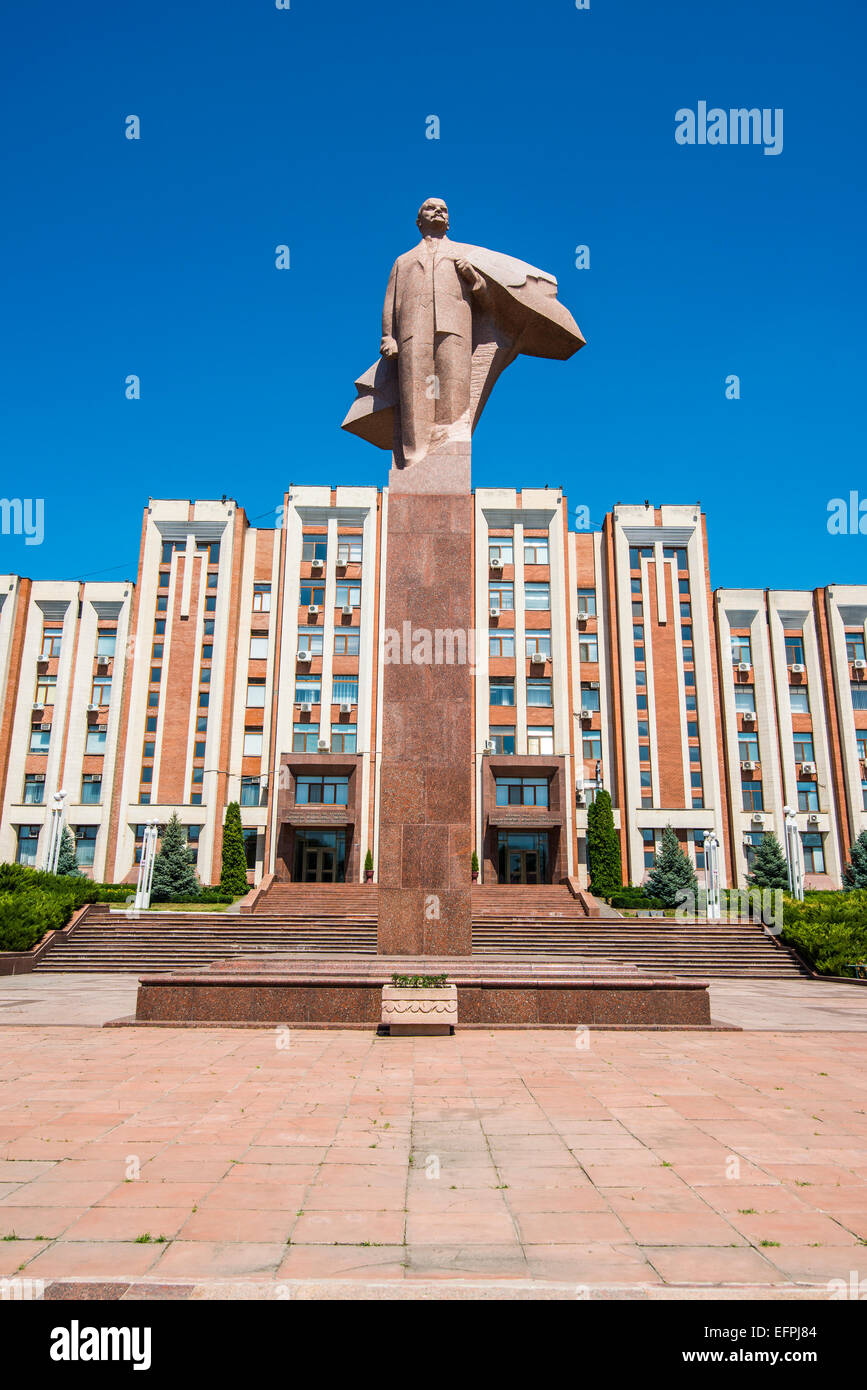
{"points": [[146, 866], [55, 832], [711, 876], [794, 855]]}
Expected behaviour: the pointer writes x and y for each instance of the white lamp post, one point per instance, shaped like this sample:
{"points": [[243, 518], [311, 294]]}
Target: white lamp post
{"points": [[146, 866], [55, 832], [794, 855], [711, 876]]}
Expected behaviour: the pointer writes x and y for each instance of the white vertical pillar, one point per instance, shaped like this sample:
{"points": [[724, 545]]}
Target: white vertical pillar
{"points": [[55, 832], [711, 876], [794, 855]]}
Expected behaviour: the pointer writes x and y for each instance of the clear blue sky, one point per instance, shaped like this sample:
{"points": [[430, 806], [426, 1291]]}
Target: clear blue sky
{"points": [[307, 127]]}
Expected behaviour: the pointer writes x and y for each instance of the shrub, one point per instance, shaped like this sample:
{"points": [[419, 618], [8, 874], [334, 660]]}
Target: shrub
{"points": [[831, 948], [603, 847], [67, 864], [26, 915], [855, 873], [672, 872], [174, 874], [233, 874], [635, 897]]}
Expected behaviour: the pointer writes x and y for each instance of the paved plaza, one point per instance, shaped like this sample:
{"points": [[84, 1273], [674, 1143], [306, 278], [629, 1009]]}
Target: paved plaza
{"points": [[646, 1162]]}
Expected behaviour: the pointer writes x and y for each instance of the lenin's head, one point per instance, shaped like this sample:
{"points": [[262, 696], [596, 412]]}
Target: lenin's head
{"points": [[433, 217]]}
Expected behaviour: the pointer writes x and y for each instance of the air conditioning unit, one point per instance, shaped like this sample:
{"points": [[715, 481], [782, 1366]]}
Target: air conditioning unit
{"points": [[496, 564], [586, 714], [342, 562], [495, 612], [317, 564], [38, 705], [748, 767], [797, 669], [93, 709], [744, 667], [346, 610], [313, 609], [102, 661], [813, 819], [808, 767], [749, 717], [757, 818], [322, 745], [538, 658], [580, 797], [305, 706], [303, 655], [345, 707], [859, 665], [489, 745], [582, 619]]}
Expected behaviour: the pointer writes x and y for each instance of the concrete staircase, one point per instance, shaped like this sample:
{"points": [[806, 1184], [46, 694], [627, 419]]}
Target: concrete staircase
{"points": [[504, 925], [110, 942]]}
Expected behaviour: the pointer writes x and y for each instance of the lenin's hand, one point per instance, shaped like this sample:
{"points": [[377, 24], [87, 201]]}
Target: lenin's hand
{"points": [[388, 348], [470, 275]]}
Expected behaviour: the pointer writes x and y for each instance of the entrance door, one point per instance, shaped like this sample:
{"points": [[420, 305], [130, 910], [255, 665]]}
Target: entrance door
{"points": [[523, 866], [523, 857], [320, 856]]}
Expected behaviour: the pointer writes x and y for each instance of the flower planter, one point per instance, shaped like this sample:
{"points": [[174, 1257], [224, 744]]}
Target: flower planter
{"points": [[475, 875], [409, 1012], [368, 875]]}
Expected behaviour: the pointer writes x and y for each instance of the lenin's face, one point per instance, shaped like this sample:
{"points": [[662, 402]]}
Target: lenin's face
{"points": [[433, 216]]}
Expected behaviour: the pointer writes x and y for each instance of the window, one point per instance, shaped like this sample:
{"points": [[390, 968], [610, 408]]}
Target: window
{"points": [[537, 596], [501, 595], [256, 695], [85, 845], [861, 744], [752, 840], [854, 646], [157, 651], [794, 651], [314, 548], [147, 773], [500, 548], [91, 789], [198, 775], [501, 644], [348, 594], [689, 677], [106, 641], [101, 692], [591, 743], [588, 649], [647, 837], [698, 844], [590, 695], [748, 747], [539, 641], [634, 586], [325, 790], [752, 796], [540, 740], [34, 788], [535, 552], [745, 699], [638, 632], [808, 796], [346, 641], [539, 693], [502, 690], [168, 549], [814, 854], [503, 739], [305, 738], [689, 702], [587, 601], [213, 549], [310, 639], [204, 699], [343, 738], [46, 689], [345, 690], [308, 690], [259, 648], [213, 580], [162, 603], [688, 653], [208, 627], [522, 791], [691, 728], [799, 699], [198, 749], [39, 740], [686, 633], [803, 745], [250, 791], [695, 780], [156, 675], [311, 594], [261, 598], [151, 724], [859, 696], [160, 627], [638, 553], [153, 698], [28, 843], [864, 796], [51, 638], [695, 753], [201, 723], [349, 550], [639, 654], [95, 741], [252, 743]]}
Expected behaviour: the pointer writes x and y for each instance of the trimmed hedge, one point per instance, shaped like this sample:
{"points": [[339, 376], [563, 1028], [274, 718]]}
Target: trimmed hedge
{"points": [[635, 897], [829, 929]]}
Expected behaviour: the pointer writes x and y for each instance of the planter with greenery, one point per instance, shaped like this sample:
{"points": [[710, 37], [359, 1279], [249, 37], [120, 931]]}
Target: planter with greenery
{"points": [[474, 867], [368, 867], [419, 1005]]}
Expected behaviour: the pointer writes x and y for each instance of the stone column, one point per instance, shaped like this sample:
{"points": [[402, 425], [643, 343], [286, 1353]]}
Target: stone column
{"points": [[426, 782]]}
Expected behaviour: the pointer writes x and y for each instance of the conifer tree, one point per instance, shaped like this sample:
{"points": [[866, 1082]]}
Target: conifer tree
{"points": [[603, 847], [672, 872], [173, 870], [233, 873], [769, 864], [855, 875], [67, 864]]}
